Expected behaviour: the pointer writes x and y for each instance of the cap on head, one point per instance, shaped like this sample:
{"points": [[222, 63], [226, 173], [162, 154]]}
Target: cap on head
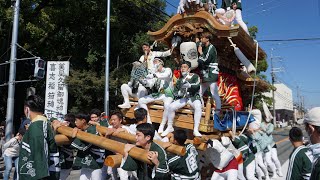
{"points": [[313, 117], [187, 63]]}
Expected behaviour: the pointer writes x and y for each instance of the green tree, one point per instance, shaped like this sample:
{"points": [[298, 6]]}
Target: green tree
{"points": [[60, 29]]}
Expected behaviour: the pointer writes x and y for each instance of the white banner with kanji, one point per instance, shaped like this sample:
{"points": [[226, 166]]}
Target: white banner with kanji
{"points": [[56, 103]]}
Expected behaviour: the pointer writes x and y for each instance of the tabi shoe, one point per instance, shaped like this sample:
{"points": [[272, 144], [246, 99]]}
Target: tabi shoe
{"points": [[196, 133], [160, 130], [167, 131], [124, 106]]}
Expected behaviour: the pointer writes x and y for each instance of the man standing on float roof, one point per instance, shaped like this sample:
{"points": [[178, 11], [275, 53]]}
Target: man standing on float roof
{"points": [[149, 56], [208, 64]]}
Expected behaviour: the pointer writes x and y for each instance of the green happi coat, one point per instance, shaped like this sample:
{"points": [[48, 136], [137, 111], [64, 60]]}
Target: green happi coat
{"points": [[39, 155], [300, 164], [145, 171], [88, 155], [193, 92], [210, 63], [228, 3], [185, 167], [240, 142], [163, 83], [66, 156]]}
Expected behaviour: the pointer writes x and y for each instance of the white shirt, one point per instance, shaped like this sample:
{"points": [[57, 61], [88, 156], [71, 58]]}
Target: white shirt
{"points": [[151, 56]]}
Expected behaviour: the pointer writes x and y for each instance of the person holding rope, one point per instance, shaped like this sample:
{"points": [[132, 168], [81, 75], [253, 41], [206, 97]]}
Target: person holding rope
{"points": [[271, 157]]}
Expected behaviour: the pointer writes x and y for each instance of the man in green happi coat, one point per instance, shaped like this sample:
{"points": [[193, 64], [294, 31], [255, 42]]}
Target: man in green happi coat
{"points": [[39, 155], [186, 91], [156, 154]]}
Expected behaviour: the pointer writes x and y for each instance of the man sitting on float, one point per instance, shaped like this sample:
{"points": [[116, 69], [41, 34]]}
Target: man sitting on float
{"points": [[147, 61], [186, 91], [208, 65], [162, 90]]}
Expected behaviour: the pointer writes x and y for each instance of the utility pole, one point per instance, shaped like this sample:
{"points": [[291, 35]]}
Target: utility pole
{"points": [[106, 94], [273, 80], [302, 106], [12, 74]]}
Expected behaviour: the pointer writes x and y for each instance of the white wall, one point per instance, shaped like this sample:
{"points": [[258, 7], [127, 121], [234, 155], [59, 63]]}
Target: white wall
{"points": [[283, 97]]}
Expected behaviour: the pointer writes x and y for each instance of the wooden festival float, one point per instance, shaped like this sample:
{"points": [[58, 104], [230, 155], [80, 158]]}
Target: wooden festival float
{"points": [[235, 86]]}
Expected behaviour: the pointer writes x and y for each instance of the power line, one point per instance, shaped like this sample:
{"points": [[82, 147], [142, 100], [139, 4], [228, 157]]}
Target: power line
{"points": [[157, 8], [307, 91], [262, 4], [171, 4], [265, 10], [290, 40]]}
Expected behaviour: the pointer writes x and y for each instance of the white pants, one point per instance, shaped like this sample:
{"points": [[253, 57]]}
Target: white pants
{"points": [[240, 172], [261, 168], [240, 21], [90, 174], [238, 18], [220, 11], [269, 162], [166, 102], [126, 91], [125, 175], [250, 171], [228, 175], [214, 92], [64, 173], [178, 104], [275, 159]]}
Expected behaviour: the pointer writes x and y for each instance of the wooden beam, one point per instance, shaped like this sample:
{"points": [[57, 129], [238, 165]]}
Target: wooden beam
{"points": [[102, 142], [113, 161], [179, 150], [61, 139]]}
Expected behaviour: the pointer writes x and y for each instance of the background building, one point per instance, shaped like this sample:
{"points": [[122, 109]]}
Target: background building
{"points": [[283, 102]]}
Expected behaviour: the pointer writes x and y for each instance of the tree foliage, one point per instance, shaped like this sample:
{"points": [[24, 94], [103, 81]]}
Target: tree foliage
{"points": [[76, 31], [60, 29]]}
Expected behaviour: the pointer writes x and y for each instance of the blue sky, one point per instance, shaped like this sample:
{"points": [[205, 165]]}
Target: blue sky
{"points": [[287, 19]]}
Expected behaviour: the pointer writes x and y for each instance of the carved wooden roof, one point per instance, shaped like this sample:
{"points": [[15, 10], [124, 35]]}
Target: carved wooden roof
{"points": [[192, 23], [189, 25]]}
